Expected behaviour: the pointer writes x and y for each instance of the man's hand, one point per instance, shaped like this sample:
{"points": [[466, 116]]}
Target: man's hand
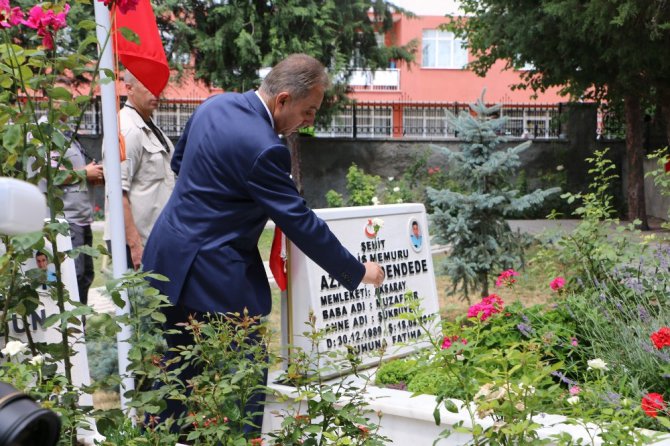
{"points": [[94, 173], [133, 239], [374, 274], [136, 251]]}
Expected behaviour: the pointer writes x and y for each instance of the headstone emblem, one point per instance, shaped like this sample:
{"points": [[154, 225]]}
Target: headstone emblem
{"points": [[373, 227]]}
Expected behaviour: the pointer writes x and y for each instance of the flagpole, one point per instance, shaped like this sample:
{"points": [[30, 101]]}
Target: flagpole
{"points": [[112, 166]]}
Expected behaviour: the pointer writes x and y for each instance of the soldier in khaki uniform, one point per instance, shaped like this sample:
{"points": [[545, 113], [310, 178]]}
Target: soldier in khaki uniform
{"points": [[146, 177]]}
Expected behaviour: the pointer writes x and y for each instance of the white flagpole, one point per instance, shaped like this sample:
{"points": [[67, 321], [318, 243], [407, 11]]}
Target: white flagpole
{"points": [[112, 166]]}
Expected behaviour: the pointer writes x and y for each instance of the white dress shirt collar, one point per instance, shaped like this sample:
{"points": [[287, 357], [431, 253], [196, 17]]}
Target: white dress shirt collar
{"points": [[272, 121]]}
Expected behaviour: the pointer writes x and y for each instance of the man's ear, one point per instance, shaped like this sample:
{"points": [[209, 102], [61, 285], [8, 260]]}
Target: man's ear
{"points": [[281, 100]]}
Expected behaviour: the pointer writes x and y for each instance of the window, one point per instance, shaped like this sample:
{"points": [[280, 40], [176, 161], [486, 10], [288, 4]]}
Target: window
{"points": [[380, 38], [374, 121], [441, 49], [340, 124], [427, 122], [530, 121], [371, 122]]}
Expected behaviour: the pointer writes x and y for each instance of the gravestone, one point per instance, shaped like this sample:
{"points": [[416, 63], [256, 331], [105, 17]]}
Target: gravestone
{"points": [[48, 307], [367, 319]]}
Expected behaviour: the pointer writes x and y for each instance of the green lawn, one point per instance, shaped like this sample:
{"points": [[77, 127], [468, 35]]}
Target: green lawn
{"points": [[100, 277]]}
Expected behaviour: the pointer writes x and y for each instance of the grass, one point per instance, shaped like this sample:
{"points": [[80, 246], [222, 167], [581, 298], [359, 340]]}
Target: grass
{"points": [[100, 277], [531, 288]]}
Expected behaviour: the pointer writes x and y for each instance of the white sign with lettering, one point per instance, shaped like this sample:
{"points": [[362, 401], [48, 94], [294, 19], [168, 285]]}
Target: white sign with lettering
{"points": [[47, 307], [395, 236]]}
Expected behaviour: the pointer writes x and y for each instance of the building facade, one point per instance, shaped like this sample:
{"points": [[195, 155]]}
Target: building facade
{"points": [[412, 100], [409, 101]]}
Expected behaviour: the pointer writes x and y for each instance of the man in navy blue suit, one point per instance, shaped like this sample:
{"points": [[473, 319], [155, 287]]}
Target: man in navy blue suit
{"points": [[233, 173]]}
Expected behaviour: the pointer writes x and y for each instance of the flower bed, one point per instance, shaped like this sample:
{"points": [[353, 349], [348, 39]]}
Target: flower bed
{"points": [[506, 374], [509, 364], [409, 419]]}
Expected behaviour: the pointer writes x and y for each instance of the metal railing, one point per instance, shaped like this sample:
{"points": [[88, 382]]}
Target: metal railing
{"points": [[379, 80], [407, 119], [430, 120]]}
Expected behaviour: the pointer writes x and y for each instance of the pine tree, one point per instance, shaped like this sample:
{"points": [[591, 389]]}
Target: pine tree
{"points": [[472, 221]]}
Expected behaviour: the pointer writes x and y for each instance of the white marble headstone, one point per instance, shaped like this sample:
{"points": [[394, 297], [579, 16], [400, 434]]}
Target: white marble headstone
{"points": [[363, 319]]}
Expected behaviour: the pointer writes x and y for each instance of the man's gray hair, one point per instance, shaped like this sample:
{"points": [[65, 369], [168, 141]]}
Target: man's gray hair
{"points": [[297, 75], [128, 77]]}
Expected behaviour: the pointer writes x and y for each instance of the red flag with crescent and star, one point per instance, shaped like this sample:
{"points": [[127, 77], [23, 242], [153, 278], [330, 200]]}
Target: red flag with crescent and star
{"points": [[278, 259], [144, 59]]}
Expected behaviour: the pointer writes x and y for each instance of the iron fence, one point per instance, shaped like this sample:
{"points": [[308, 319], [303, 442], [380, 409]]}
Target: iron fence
{"points": [[431, 120], [412, 120]]}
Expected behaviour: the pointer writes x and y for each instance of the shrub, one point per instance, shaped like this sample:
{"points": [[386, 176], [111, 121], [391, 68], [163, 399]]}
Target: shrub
{"points": [[396, 372], [334, 199], [362, 188]]}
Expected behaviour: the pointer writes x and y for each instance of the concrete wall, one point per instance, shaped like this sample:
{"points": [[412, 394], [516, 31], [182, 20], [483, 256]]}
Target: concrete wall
{"points": [[325, 161]]}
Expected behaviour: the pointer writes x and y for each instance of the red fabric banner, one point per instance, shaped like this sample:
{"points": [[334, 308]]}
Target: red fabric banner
{"points": [[146, 61], [278, 259]]}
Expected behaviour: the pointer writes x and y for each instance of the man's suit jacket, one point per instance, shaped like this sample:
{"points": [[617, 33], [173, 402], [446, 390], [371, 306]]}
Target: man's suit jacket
{"points": [[233, 172]]}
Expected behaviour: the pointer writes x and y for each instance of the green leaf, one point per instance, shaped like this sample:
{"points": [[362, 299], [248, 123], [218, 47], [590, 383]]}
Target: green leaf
{"points": [[109, 74], [90, 40], [158, 317], [83, 99], [130, 35], [313, 429], [58, 139], [60, 94], [7, 69], [26, 72], [151, 408], [52, 319], [436, 416], [6, 82], [450, 406], [329, 397], [86, 24], [11, 137], [26, 241], [118, 300], [70, 109]]}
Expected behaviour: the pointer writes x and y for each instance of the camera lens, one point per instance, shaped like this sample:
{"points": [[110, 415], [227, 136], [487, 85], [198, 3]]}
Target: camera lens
{"points": [[23, 422]]}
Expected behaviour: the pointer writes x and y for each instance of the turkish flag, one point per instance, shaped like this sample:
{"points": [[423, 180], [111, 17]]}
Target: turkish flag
{"points": [[146, 60], [278, 259]]}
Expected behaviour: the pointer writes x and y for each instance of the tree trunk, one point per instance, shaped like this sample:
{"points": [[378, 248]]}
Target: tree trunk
{"points": [[293, 143], [635, 157], [484, 281]]}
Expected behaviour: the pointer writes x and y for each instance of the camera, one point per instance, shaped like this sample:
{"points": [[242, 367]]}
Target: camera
{"points": [[23, 422]]}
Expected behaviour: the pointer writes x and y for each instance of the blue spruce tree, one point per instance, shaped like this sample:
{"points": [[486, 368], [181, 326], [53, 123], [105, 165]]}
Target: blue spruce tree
{"points": [[473, 221]]}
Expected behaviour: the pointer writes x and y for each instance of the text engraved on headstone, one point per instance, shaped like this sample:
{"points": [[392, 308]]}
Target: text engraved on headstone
{"points": [[368, 319]]}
